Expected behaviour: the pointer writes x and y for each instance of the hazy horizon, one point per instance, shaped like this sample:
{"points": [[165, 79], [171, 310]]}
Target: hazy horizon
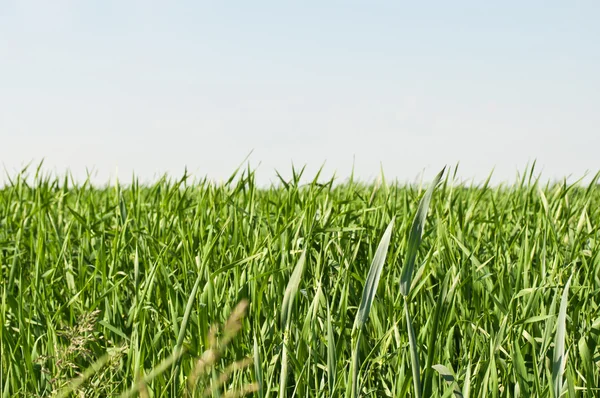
{"points": [[529, 173]]}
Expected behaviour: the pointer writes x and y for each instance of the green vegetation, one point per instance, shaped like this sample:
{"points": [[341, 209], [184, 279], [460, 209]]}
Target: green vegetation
{"points": [[343, 289]]}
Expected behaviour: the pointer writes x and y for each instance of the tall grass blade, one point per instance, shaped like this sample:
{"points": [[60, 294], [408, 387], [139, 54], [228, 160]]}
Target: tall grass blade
{"points": [[414, 237], [290, 292], [520, 369], [367, 301], [373, 277], [414, 354], [286, 316], [188, 311], [258, 369], [559, 360], [466, 390], [433, 337], [331, 354], [414, 241]]}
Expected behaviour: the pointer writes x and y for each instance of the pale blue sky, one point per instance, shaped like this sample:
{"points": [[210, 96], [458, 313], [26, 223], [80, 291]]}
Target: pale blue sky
{"points": [[153, 87]]}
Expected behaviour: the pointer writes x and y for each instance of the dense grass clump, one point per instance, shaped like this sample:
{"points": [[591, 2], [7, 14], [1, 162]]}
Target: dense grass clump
{"points": [[482, 292]]}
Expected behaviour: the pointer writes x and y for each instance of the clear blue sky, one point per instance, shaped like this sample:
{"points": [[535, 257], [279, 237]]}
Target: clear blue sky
{"points": [[152, 87]]}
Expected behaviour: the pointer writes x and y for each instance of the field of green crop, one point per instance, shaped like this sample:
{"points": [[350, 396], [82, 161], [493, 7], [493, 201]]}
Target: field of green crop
{"points": [[318, 289]]}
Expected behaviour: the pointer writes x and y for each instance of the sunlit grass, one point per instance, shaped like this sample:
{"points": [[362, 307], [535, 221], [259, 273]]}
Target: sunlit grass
{"points": [[349, 288]]}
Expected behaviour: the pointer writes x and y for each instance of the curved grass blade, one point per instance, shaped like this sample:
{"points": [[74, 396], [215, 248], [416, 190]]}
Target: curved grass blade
{"points": [[182, 328], [520, 369], [367, 300], [414, 237], [290, 291], [433, 336], [188, 310], [286, 316], [449, 378], [559, 359], [414, 241], [373, 277]]}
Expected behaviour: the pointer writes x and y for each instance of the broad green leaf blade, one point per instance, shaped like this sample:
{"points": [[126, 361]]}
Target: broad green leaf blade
{"points": [[291, 290], [286, 316], [355, 365], [466, 390], [559, 360], [373, 278], [520, 369], [449, 377], [186, 315], [367, 301], [284, 367], [587, 359], [571, 382], [446, 373], [414, 237]]}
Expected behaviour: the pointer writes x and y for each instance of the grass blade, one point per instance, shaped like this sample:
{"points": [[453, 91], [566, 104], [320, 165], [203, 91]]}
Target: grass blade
{"points": [[258, 369], [414, 237], [414, 354], [414, 241], [433, 336], [367, 300], [188, 311], [373, 277], [331, 354], [286, 316], [559, 360], [290, 291], [520, 369], [449, 378]]}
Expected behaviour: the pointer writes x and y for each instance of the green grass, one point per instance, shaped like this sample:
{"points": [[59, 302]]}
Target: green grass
{"points": [[492, 292]]}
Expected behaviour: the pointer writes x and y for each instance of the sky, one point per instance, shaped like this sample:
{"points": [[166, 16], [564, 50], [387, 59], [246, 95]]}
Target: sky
{"points": [[113, 88]]}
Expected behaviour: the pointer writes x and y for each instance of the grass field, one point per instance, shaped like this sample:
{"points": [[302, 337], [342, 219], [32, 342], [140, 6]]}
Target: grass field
{"points": [[344, 289]]}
